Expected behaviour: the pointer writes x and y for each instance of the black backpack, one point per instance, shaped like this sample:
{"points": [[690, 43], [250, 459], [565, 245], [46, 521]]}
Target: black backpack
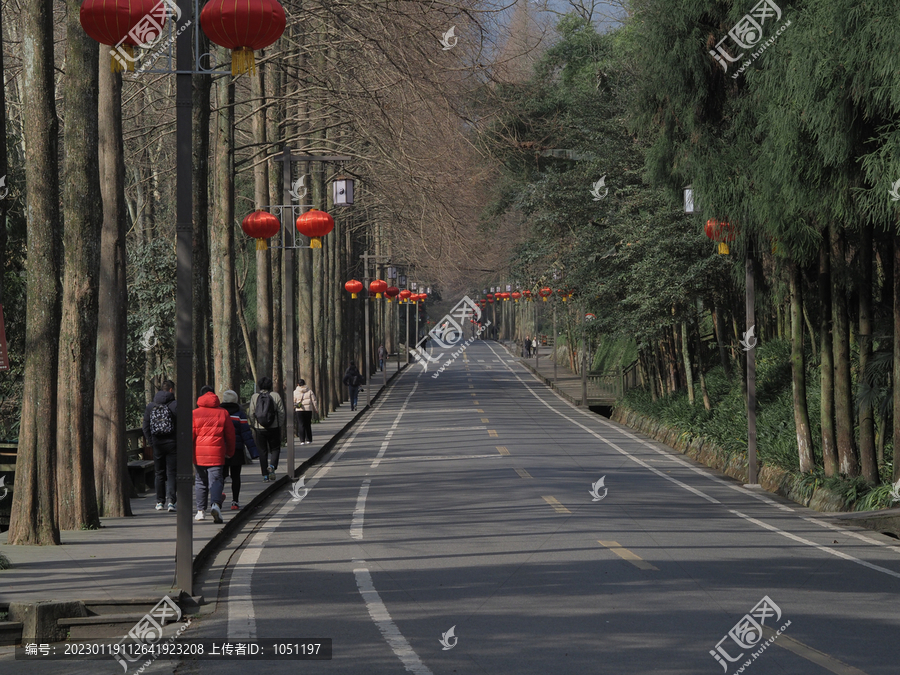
{"points": [[265, 409], [161, 422]]}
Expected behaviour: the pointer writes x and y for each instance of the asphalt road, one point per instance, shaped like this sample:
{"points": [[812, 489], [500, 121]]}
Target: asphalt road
{"points": [[465, 501]]}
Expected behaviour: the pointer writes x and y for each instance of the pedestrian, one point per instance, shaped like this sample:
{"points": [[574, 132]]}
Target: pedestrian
{"points": [[527, 346], [354, 380], [382, 355], [269, 424], [244, 446], [534, 346], [305, 403], [159, 434], [213, 444]]}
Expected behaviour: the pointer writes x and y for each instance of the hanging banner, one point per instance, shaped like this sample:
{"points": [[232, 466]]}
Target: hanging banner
{"points": [[4, 359]]}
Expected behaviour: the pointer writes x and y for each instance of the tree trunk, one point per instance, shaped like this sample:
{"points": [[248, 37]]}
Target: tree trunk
{"points": [[263, 365], [274, 121], [868, 461], [843, 392], [76, 497], [896, 367], [826, 370], [707, 404], [686, 355], [798, 372], [33, 519], [110, 455], [719, 322], [200, 100], [222, 281]]}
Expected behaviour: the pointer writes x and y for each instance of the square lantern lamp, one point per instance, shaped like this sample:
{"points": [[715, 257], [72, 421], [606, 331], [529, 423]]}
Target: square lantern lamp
{"points": [[688, 198], [342, 191]]}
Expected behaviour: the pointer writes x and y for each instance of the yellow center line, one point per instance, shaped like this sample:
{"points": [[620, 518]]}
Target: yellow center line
{"points": [[492, 433], [484, 420], [471, 386], [479, 410], [523, 473], [806, 652], [625, 554], [554, 502], [475, 402], [474, 394], [502, 450]]}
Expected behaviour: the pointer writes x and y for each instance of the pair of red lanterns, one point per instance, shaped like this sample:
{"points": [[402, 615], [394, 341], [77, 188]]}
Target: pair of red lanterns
{"points": [[242, 26], [722, 232], [262, 225]]}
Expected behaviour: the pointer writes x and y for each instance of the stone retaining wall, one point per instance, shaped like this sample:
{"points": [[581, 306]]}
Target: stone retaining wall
{"points": [[706, 452]]}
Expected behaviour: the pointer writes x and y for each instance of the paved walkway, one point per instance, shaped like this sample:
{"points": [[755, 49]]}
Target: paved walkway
{"points": [[567, 383], [135, 557]]}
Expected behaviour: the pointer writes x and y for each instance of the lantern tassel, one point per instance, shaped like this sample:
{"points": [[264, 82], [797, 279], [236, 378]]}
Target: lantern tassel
{"points": [[243, 61], [261, 245], [316, 242], [723, 248], [118, 64], [353, 295]]}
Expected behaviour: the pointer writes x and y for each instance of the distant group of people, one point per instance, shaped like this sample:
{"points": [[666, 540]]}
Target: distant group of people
{"points": [[529, 347], [225, 438]]}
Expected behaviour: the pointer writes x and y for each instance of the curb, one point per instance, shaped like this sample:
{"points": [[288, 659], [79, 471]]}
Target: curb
{"points": [[211, 547], [571, 399]]}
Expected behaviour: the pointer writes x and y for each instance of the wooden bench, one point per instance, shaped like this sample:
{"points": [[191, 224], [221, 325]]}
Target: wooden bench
{"points": [[141, 467]]}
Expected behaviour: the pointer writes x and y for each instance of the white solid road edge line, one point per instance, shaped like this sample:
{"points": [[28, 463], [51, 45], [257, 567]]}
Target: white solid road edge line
{"points": [[825, 549], [392, 635]]}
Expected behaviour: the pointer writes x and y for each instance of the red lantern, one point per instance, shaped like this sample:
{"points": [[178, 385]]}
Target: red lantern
{"points": [[722, 232], [545, 293], [528, 295], [392, 292], [490, 297], [243, 26], [314, 224], [377, 287], [405, 295], [110, 22], [516, 296], [261, 225], [353, 287]]}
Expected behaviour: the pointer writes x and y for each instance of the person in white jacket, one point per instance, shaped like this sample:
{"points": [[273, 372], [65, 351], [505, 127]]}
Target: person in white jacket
{"points": [[305, 404]]}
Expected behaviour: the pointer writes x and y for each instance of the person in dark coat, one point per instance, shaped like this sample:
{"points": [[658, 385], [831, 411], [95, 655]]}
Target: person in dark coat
{"points": [[164, 457], [268, 439], [353, 379], [243, 438]]}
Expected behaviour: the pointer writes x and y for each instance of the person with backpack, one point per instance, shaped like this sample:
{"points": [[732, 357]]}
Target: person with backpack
{"points": [[213, 444], [354, 380], [159, 434], [305, 403], [269, 424], [244, 446]]}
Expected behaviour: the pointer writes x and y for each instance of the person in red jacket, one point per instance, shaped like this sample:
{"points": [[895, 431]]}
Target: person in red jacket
{"points": [[213, 443]]}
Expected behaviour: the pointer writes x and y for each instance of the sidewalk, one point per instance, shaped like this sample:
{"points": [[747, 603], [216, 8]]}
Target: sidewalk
{"points": [[566, 383], [135, 557]]}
